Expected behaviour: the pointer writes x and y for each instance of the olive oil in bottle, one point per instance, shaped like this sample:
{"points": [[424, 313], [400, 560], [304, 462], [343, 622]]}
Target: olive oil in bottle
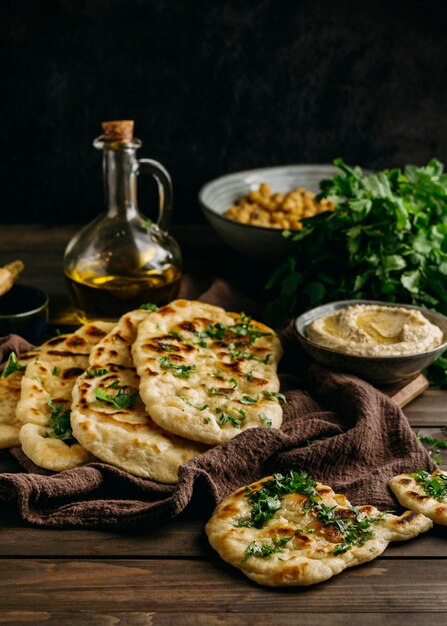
{"points": [[122, 260]]}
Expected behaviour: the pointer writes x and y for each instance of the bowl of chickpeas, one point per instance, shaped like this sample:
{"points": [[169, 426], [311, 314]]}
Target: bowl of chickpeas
{"points": [[251, 209]]}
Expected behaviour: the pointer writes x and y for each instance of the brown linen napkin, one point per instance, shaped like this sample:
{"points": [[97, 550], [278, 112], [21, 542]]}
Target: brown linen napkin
{"points": [[346, 434]]}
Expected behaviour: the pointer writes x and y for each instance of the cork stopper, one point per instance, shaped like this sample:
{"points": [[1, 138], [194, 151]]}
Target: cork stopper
{"points": [[118, 130]]}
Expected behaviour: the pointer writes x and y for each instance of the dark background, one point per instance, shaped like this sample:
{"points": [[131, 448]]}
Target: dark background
{"points": [[213, 87]]}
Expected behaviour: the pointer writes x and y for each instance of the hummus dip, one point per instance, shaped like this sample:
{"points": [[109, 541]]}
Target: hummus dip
{"points": [[376, 331]]}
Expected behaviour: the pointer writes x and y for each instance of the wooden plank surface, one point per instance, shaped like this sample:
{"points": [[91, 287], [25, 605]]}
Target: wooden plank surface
{"points": [[170, 575], [208, 586]]}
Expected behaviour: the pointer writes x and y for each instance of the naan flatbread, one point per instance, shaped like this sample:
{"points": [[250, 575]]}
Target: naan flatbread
{"points": [[291, 530], [10, 387], [46, 396], [118, 429], [423, 492], [206, 374]]}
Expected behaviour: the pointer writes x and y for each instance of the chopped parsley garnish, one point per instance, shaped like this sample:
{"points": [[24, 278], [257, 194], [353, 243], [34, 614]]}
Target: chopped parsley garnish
{"points": [[249, 400], [194, 406], [12, 365], [114, 385], [174, 333], [266, 501], [275, 394], [56, 370], [59, 422], [149, 306], [226, 418], [265, 420], [244, 328], [121, 400], [434, 486], [435, 446], [97, 372], [180, 371], [240, 353], [265, 550]]}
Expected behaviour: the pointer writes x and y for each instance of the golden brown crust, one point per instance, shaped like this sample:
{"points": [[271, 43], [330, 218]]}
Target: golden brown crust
{"points": [[303, 549]]}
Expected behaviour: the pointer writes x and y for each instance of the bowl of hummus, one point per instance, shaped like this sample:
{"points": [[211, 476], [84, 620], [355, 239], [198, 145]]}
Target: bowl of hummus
{"points": [[378, 341]]}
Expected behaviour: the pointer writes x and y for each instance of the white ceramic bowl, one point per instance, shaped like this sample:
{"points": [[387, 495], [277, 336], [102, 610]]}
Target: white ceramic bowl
{"points": [[220, 194]]}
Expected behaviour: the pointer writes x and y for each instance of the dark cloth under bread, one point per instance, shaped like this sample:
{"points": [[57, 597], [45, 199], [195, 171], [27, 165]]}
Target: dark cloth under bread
{"points": [[340, 429]]}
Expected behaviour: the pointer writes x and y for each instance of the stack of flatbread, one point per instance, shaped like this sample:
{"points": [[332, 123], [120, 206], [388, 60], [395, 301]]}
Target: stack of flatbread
{"points": [[147, 394]]}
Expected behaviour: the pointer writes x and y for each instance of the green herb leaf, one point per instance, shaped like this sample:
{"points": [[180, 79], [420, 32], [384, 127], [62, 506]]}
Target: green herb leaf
{"points": [[180, 371], [121, 400], [265, 550], [194, 406], [434, 486], [249, 400], [12, 365], [96, 372], [149, 307], [226, 418], [56, 370], [265, 421], [275, 394], [59, 422]]}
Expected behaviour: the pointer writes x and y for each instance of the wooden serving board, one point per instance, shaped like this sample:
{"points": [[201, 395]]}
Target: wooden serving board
{"points": [[405, 391]]}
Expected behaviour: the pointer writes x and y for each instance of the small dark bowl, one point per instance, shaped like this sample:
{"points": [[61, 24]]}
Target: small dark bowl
{"points": [[24, 311], [381, 370]]}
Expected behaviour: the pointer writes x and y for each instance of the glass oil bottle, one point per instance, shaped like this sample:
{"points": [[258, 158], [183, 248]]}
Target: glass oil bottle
{"points": [[122, 260]]}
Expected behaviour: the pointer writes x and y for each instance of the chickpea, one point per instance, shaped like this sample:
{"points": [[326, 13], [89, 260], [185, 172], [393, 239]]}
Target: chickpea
{"points": [[277, 210]]}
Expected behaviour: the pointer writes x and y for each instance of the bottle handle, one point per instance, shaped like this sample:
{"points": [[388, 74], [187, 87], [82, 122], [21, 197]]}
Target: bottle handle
{"points": [[164, 183]]}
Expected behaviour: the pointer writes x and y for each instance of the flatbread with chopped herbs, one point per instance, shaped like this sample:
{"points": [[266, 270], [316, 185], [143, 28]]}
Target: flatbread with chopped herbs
{"points": [[110, 420], [46, 396], [423, 492], [207, 374], [289, 530], [10, 386]]}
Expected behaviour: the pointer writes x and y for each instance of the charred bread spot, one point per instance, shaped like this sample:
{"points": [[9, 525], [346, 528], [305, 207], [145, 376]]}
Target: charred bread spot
{"points": [[150, 372], [303, 540], [176, 357], [233, 367], [405, 481], [187, 348], [75, 341], [258, 382], [152, 347], [72, 372], [416, 496], [113, 353], [66, 353], [188, 326], [128, 322], [165, 310], [281, 531], [229, 510], [406, 518], [109, 379], [120, 338], [94, 331], [55, 341]]}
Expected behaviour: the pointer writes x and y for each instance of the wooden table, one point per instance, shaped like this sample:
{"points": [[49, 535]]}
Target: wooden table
{"points": [[171, 575]]}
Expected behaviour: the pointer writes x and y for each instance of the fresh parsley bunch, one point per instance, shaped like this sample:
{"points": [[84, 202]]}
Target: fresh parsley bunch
{"points": [[385, 240]]}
